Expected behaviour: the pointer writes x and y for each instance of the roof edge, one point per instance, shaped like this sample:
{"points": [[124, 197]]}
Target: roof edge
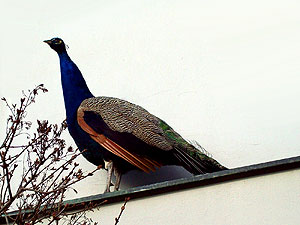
{"points": [[184, 183], [196, 181]]}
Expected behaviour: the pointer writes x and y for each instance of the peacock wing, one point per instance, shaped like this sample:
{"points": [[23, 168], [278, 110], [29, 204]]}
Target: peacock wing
{"points": [[122, 116]]}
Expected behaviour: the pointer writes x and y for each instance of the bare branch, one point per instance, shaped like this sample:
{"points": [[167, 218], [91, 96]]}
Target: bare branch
{"points": [[48, 168], [117, 219]]}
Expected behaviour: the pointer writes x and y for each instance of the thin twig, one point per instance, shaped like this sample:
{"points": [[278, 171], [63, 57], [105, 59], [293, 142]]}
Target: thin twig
{"points": [[117, 219]]}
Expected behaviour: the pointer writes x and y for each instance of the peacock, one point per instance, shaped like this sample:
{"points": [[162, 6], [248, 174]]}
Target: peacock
{"points": [[121, 136]]}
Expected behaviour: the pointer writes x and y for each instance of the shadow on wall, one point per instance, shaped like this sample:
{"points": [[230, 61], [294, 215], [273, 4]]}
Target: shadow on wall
{"points": [[138, 178]]}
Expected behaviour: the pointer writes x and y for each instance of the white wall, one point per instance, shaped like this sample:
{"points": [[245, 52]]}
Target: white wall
{"points": [[225, 73], [266, 200]]}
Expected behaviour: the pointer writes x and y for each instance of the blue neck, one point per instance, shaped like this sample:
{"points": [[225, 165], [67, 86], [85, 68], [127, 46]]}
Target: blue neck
{"points": [[74, 87]]}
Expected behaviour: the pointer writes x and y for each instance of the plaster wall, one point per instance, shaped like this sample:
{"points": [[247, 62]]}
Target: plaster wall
{"points": [[224, 73], [266, 200]]}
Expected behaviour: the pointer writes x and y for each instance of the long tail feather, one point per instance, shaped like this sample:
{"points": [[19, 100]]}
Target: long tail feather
{"points": [[196, 165]]}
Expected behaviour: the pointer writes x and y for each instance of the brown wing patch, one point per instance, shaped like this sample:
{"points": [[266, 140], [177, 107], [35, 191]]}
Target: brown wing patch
{"points": [[140, 162], [123, 116]]}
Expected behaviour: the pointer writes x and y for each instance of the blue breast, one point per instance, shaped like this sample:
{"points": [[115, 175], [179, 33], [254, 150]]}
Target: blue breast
{"points": [[75, 91]]}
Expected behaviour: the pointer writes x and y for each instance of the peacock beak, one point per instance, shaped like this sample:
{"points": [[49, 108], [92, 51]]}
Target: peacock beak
{"points": [[48, 42]]}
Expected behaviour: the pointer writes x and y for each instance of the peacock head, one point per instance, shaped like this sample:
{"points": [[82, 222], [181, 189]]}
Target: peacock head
{"points": [[56, 44]]}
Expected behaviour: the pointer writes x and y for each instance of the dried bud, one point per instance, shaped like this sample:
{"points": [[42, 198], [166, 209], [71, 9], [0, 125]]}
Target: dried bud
{"points": [[99, 167]]}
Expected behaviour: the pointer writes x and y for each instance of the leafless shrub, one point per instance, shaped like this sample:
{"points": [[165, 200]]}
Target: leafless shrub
{"points": [[35, 176]]}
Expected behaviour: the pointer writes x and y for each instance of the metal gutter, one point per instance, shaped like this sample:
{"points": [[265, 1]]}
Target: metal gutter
{"points": [[185, 183], [196, 181]]}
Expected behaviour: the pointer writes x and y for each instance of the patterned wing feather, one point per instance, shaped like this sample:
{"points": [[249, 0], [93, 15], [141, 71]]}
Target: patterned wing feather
{"points": [[140, 162], [123, 116]]}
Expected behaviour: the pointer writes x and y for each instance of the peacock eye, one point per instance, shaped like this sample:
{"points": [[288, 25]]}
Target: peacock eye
{"points": [[57, 41]]}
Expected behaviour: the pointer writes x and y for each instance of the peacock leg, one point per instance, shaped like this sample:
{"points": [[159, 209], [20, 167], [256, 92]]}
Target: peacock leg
{"points": [[110, 166], [118, 179]]}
